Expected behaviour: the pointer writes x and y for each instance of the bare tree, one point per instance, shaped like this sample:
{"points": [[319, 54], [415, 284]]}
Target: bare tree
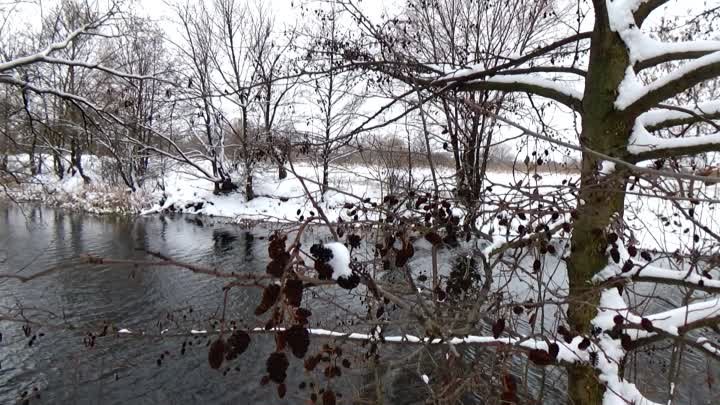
{"points": [[336, 95]]}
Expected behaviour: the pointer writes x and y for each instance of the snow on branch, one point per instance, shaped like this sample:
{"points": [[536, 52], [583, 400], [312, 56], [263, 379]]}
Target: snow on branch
{"points": [[646, 146], [617, 390], [670, 116], [673, 322], [556, 90], [56, 46], [645, 51], [633, 95], [653, 274]]}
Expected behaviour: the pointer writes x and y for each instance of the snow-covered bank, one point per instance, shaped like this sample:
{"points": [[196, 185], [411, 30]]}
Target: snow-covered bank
{"points": [[101, 195], [654, 223]]}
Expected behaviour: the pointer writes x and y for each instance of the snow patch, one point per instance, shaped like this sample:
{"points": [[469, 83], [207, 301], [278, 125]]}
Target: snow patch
{"points": [[340, 261]]}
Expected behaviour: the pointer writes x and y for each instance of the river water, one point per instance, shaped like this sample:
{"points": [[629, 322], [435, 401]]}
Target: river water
{"points": [[58, 367]]}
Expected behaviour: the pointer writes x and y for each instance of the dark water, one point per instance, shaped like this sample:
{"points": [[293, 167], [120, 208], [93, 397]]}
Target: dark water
{"points": [[83, 297], [119, 369]]}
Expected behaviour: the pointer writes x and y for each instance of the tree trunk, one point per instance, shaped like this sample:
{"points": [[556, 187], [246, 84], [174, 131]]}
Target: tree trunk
{"points": [[325, 182], [282, 172], [249, 191], [601, 197]]}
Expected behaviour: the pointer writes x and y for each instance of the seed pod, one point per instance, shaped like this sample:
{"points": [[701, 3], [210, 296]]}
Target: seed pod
{"points": [[349, 282], [618, 319], [276, 247], [302, 315], [626, 341], [277, 365], [498, 327], [584, 344], [293, 292], [646, 256], [312, 362], [632, 250], [627, 266], [354, 240], [328, 398], [298, 338], [536, 265], [646, 324], [433, 238], [269, 298], [216, 353], [281, 390], [280, 341], [237, 343], [615, 254], [540, 357]]}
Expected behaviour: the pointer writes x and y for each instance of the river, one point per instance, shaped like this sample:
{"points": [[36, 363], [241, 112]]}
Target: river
{"points": [[57, 366]]}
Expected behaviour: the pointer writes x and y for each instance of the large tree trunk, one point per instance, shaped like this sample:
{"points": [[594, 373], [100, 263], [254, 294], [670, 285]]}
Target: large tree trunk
{"points": [[601, 197]]}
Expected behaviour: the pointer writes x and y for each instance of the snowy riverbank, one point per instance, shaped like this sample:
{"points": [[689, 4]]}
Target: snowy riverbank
{"points": [[653, 222]]}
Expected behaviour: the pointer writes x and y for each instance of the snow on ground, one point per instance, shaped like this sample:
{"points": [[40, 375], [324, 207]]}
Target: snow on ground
{"points": [[654, 223]]}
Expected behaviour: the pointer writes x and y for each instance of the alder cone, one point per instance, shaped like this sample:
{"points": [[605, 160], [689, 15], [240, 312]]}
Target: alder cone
{"points": [[281, 390], [584, 344], [312, 362], [269, 298], [280, 341], [276, 268], [298, 338], [498, 327], [302, 315], [354, 240], [276, 247], [433, 238], [646, 324], [293, 292], [626, 341], [324, 270], [540, 357], [627, 266], [632, 251], [237, 343], [509, 394], [328, 398], [402, 256], [277, 365], [349, 282], [216, 353]]}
